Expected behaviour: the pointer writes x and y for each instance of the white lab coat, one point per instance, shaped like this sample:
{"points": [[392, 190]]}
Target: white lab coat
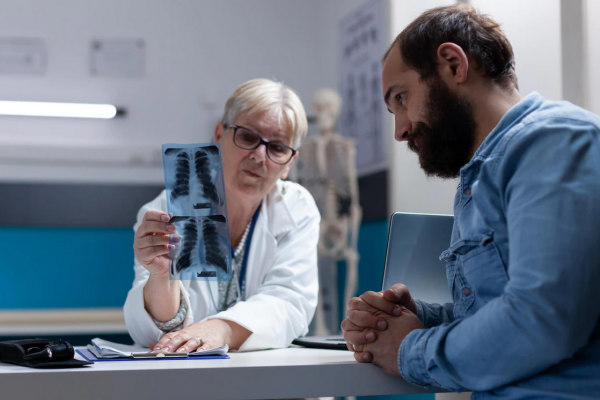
{"points": [[281, 277]]}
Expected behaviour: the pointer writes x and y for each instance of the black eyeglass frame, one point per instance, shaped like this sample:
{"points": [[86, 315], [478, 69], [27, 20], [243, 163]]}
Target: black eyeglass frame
{"points": [[261, 142]]}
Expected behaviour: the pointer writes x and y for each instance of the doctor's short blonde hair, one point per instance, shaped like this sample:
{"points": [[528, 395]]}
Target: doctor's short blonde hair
{"points": [[264, 95]]}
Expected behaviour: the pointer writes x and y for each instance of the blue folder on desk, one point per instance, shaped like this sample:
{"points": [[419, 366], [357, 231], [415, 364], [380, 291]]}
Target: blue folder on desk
{"points": [[103, 350], [89, 356]]}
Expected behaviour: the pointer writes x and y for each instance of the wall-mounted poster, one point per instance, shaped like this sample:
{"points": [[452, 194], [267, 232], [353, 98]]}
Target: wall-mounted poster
{"points": [[362, 38], [22, 56], [118, 58]]}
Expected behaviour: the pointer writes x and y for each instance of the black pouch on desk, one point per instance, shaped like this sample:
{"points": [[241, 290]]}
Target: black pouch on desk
{"points": [[40, 353]]}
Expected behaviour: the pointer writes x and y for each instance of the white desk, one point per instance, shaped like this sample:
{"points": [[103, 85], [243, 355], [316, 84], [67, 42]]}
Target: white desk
{"points": [[271, 374]]}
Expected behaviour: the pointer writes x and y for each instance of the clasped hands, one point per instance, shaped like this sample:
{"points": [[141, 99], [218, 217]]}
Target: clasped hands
{"points": [[377, 323]]}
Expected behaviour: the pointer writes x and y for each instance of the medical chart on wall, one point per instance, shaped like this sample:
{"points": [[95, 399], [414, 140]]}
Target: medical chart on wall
{"points": [[118, 58], [23, 56], [362, 39], [196, 197]]}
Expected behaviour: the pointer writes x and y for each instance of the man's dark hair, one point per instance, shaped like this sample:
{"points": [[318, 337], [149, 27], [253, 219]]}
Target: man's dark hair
{"points": [[477, 34]]}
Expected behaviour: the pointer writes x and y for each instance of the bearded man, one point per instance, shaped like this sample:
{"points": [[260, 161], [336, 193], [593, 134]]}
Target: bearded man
{"points": [[523, 264]]}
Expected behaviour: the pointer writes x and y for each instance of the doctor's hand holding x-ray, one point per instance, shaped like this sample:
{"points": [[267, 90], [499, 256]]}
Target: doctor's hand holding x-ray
{"points": [[151, 248], [377, 324]]}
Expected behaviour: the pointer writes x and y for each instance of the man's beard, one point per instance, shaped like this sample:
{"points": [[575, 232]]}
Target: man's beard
{"points": [[445, 143]]}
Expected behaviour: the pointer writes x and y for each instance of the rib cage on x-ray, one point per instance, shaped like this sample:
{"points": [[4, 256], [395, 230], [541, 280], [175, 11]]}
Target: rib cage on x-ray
{"points": [[203, 174], [189, 244], [196, 197], [181, 187], [202, 243], [213, 246], [203, 185]]}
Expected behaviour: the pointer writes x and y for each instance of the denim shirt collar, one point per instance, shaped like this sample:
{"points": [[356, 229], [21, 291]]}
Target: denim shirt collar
{"points": [[520, 110], [470, 171]]}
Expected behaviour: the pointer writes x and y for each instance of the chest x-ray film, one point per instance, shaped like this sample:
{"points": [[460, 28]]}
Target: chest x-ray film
{"points": [[196, 198]]}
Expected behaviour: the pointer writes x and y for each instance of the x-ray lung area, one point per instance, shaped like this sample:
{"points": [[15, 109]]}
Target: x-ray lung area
{"points": [[196, 199]]}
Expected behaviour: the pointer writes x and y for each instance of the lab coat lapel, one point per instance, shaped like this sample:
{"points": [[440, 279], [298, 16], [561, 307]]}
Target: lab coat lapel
{"points": [[274, 220], [262, 253]]}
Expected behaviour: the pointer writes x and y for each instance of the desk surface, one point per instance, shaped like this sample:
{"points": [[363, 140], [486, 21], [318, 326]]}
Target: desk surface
{"points": [[272, 374]]}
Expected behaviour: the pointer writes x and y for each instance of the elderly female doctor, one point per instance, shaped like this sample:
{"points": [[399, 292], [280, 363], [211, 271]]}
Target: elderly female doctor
{"points": [[263, 125]]}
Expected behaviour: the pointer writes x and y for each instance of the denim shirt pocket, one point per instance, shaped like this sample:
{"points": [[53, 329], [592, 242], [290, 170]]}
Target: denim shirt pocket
{"points": [[481, 269], [468, 263]]}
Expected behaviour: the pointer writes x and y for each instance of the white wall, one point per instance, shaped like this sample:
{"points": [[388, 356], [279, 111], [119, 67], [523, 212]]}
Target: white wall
{"points": [[330, 12], [533, 27], [410, 189], [591, 14], [196, 50]]}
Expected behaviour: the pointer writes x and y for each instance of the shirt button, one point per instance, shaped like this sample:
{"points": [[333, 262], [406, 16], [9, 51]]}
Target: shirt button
{"points": [[468, 192], [467, 291]]}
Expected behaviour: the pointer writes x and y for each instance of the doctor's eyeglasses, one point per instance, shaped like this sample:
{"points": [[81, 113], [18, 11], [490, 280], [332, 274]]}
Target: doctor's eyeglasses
{"points": [[247, 139]]}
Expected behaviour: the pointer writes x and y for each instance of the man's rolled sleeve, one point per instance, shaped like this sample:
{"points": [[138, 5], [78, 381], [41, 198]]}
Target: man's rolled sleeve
{"points": [[420, 312], [411, 359], [432, 315]]}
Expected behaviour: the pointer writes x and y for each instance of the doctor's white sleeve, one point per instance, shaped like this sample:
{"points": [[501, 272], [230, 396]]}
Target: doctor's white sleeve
{"points": [[139, 323]]}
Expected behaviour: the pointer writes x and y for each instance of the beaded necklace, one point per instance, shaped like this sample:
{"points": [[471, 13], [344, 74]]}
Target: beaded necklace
{"points": [[240, 248]]}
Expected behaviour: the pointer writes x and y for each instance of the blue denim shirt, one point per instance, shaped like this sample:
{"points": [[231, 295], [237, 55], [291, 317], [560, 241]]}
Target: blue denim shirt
{"points": [[523, 265]]}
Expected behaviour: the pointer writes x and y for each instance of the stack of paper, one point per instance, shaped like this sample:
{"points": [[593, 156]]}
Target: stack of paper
{"points": [[105, 349]]}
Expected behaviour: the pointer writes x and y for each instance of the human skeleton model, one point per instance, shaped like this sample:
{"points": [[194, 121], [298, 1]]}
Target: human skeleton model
{"points": [[326, 167]]}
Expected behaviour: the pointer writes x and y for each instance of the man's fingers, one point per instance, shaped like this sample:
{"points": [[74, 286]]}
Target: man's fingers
{"points": [[359, 338], [363, 357], [155, 215], [347, 325], [356, 303], [380, 302], [398, 294], [358, 348], [365, 319]]}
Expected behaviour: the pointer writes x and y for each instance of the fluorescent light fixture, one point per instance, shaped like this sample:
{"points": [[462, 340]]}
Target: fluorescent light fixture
{"points": [[67, 110]]}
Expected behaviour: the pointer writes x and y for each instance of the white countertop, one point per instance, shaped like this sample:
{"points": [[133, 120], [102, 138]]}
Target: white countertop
{"points": [[271, 374]]}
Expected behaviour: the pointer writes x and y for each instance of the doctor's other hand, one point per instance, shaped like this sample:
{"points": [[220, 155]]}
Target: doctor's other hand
{"points": [[199, 336], [151, 245]]}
